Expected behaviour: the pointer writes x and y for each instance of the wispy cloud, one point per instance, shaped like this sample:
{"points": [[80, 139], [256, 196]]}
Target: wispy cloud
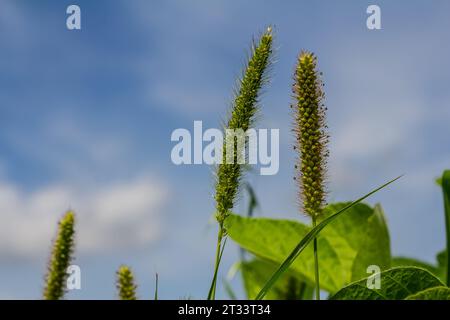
{"points": [[109, 217]]}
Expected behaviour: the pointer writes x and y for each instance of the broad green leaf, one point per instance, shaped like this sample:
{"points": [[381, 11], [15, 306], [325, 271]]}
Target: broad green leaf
{"points": [[446, 193], [396, 284], [411, 262], [346, 247], [442, 261], [374, 244], [437, 293], [312, 235], [438, 271], [289, 287]]}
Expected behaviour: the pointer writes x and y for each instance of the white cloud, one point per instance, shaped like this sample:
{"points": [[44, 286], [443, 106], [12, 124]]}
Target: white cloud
{"points": [[110, 217]]}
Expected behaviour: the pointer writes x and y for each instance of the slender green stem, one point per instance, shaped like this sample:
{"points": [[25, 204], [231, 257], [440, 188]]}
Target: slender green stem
{"points": [[301, 291], [316, 265], [156, 286], [446, 194], [212, 290]]}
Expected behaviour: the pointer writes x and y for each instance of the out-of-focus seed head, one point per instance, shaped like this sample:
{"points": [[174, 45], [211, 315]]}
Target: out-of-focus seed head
{"points": [[125, 284]]}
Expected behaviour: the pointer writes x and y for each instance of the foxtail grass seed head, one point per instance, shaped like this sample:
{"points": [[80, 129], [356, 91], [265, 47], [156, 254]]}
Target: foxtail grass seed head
{"points": [[242, 116], [61, 256], [311, 136], [125, 284]]}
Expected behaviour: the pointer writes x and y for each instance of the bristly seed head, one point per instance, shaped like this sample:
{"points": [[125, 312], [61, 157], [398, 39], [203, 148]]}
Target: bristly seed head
{"points": [[311, 137], [242, 114], [125, 284], [61, 256]]}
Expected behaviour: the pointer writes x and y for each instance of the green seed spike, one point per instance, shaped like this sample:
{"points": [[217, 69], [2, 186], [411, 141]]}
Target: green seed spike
{"points": [[60, 258], [311, 137], [125, 284], [242, 116]]}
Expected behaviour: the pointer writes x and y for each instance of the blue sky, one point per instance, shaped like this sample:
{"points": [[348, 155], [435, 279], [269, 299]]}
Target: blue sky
{"points": [[86, 118]]}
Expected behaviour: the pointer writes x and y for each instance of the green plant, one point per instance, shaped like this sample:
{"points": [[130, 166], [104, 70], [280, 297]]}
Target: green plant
{"points": [[311, 141], [441, 269], [61, 256], [283, 263], [435, 293], [311, 235], [350, 244], [446, 194], [242, 114], [156, 286], [398, 284], [346, 243], [125, 284]]}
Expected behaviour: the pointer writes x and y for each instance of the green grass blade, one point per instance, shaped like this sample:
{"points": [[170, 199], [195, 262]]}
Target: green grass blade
{"points": [[156, 286], [253, 202], [446, 191], [308, 238], [229, 290], [212, 289]]}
